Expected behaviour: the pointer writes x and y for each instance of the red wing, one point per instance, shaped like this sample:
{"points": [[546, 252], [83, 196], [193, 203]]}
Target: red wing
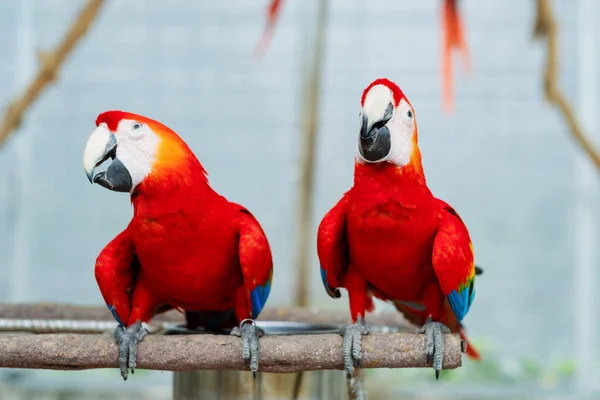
{"points": [[453, 261], [116, 270], [332, 248], [256, 261]]}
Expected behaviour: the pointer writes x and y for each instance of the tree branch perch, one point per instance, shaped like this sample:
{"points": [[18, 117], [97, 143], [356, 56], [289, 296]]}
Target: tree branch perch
{"points": [[546, 27], [281, 354], [50, 63]]}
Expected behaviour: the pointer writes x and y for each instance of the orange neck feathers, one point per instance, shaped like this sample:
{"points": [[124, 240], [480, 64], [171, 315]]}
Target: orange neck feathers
{"points": [[175, 166]]}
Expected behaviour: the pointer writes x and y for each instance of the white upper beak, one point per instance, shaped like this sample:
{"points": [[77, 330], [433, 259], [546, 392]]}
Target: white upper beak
{"points": [[99, 147], [376, 103]]}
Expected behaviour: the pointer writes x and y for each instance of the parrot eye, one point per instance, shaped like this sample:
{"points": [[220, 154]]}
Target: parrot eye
{"points": [[409, 113], [136, 126]]}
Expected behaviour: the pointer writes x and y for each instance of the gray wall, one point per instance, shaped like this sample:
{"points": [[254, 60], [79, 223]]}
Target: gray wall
{"points": [[503, 158]]}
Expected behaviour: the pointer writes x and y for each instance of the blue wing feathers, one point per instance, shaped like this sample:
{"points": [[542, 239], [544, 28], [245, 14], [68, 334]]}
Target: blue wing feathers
{"points": [[114, 313], [324, 279], [330, 291], [461, 301], [259, 296]]}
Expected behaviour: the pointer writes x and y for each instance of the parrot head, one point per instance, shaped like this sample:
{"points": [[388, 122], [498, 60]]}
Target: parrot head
{"points": [[138, 146], [388, 130]]}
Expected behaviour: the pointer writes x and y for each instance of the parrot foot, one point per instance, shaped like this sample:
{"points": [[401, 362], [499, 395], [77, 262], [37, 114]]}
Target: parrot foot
{"points": [[249, 332], [127, 340], [352, 344], [434, 343]]}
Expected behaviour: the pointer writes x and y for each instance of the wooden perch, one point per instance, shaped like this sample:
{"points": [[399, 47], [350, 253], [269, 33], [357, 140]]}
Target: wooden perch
{"points": [[50, 63], [282, 354], [72, 316], [546, 27]]}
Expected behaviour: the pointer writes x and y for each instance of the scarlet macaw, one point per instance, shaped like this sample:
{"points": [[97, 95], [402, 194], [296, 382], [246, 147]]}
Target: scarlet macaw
{"points": [[389, 237], [186, 247]]}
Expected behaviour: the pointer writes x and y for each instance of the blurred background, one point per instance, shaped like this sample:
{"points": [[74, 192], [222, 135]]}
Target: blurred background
{"points": [[504, 158]]}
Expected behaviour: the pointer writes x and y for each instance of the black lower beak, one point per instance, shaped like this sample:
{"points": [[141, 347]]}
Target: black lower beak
{"points": [[116, 177], [366, 131], [375, 144]]}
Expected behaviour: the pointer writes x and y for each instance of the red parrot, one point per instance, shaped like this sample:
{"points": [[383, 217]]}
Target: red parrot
{"points": [[186, 247], [389, 237], [452, 36]]}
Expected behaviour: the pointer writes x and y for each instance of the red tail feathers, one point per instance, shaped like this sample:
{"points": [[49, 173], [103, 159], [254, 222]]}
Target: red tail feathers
{"points": [[471, 351], [272, 13], [452, 36]]}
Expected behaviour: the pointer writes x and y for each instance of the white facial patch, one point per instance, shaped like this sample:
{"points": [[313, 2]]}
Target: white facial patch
{"points": [[402, 128], [137, 146], [401, 125]]}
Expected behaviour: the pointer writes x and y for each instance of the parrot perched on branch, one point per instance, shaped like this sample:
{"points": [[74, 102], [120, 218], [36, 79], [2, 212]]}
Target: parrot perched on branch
{"points": [[389, 237], [186, 247]]}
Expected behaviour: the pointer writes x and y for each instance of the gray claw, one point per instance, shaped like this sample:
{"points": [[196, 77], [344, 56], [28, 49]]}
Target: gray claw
{"points": [[127, 340], [352, 344], [434, 343], [249, 332]]}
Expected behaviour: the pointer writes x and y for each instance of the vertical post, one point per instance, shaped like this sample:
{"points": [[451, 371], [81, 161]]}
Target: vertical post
{"points": [[309, 117], [234, 385], [310, 122], [25, 64], [586, 184], [209, 385]]}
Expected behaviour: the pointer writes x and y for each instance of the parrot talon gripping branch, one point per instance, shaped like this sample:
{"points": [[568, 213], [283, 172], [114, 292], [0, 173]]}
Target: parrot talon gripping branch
{"points": [[352, 344], [434, 343], [390, 238], [249, 332], [186, 248], [127, 340]]}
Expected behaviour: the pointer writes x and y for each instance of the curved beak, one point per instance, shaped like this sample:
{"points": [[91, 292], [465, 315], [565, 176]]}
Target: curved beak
{"points": [[375, 139], [102, 145]]}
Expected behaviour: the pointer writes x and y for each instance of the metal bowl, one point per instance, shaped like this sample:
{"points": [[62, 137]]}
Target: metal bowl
{"points": [[270, 328]]}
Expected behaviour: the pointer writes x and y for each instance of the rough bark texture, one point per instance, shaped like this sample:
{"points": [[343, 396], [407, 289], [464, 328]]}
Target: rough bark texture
{"points": [[218, 352]]}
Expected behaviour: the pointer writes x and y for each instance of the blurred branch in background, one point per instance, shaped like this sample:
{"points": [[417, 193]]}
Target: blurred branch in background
{"points": [[50, 63], [546, 27], [284, 354], [310, 122]]}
